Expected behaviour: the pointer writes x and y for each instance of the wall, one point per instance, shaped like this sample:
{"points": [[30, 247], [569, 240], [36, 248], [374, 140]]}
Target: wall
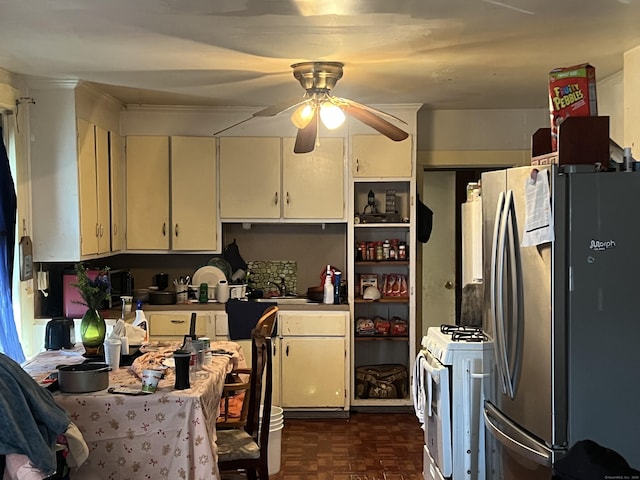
{"points": [[632, 101]]}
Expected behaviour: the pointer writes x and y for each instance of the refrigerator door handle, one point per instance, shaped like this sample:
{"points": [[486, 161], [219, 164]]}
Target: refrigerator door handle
{"points": [[515, 342], [502, 352], [513, 438], [495, 299]]}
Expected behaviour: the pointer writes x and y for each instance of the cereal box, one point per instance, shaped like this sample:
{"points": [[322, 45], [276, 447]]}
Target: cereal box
{"points": [[572, 93]]}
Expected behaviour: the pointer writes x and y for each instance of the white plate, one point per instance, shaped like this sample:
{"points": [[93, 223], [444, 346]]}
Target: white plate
{"points": [[209, 275]]}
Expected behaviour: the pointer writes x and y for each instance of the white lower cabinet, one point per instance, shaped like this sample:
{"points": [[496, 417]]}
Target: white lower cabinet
{"points": [[171, 326], [310, 360]]}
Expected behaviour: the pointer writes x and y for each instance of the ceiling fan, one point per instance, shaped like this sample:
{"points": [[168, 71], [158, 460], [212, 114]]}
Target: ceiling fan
{"points": [[318, 104]]}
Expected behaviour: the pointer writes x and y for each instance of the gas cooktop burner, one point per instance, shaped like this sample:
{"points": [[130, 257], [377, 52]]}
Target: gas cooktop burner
{"points": [[464, 333]]}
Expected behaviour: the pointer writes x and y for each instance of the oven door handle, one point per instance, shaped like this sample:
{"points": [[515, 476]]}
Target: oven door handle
{"points": [[433, 374], [513, 438]]}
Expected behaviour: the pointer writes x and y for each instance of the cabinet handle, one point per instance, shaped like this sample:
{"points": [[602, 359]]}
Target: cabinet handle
{"points": [[164, 229], [357, 165], [276, 198], [97, 230], [176, 229], [101, 230], [287, 352], [178, 322], [115, 229], [287, 198]]}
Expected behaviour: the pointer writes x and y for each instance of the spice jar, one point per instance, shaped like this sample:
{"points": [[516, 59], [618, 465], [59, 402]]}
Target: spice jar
{"points": [[386, 247], [379, 251], [402, 251]]}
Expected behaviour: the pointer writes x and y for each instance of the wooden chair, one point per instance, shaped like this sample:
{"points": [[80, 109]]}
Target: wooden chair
{"points": [[234, 407], [246, 448]]}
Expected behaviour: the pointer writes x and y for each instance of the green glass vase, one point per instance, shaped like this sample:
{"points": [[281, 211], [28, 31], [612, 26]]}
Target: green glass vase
{"points": [[92, 332]]}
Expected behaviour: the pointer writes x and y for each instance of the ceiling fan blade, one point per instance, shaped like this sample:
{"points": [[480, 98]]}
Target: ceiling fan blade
{"points": [[281, 107], [306, 137], [376, 122], [345, 101]]}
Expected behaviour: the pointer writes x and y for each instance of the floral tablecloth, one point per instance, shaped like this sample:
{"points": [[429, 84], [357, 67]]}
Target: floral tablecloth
{"points": [[169, 434]]}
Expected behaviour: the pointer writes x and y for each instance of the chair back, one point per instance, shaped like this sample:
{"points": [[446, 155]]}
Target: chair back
{"points": [[260, 392]]}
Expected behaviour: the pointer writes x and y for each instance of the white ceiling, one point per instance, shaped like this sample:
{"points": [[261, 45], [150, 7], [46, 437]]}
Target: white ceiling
{"points": [[445, 54]]}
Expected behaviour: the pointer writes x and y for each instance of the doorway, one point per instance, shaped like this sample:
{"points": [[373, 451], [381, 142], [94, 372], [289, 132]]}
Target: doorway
{"points": [[444, 191]]}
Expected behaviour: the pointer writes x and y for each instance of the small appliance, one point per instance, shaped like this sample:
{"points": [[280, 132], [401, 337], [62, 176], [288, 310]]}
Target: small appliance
{"points": [[59, 333]]}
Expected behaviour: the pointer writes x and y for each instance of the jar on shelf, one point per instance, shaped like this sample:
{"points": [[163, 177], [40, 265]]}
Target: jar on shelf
{"points": [[402, 251], [379, 251], [386, 247]]}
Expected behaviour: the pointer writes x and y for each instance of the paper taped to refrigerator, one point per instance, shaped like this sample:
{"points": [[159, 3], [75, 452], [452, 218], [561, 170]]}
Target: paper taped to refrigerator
{"points": [[538, 227]]}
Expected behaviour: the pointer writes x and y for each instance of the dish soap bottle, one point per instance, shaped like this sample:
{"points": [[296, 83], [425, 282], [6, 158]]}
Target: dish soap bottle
{"points": [[328, 287]]}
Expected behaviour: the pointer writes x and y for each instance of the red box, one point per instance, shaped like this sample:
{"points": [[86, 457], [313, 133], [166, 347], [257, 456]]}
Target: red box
{"points": [[572, 93]]}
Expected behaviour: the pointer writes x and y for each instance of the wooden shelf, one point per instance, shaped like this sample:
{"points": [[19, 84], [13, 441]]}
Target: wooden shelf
{"points": [[379, 263], [368, 338], [383, 300]]}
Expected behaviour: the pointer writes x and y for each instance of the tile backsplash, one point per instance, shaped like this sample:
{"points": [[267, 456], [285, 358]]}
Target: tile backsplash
{"points": [[267, 272]]}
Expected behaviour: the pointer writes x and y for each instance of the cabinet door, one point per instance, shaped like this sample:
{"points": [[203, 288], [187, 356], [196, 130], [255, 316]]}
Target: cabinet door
{"points": [[103, 193], [193, 193], [312, 372], [116, 157], [87, 175], [147, 193], [313, 183], [250, 177], [377, 156]]}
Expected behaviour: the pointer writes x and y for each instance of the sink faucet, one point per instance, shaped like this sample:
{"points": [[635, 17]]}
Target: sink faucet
{"points": [[280, 287]]}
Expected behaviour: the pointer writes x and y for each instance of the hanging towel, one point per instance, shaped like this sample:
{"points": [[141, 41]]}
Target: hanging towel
{"points": [[243, 317], [419, 399]]}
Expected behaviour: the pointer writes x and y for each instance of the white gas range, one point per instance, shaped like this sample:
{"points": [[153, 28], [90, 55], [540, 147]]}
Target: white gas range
{"points": [[448, 398]]}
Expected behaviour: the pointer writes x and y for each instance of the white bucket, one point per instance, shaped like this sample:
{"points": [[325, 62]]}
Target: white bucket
{"points": [[274, 448]]}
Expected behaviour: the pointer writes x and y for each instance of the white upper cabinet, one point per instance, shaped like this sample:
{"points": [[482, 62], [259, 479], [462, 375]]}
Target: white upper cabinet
{"points": [[262, 179], [375, 156], [250, 177], [70, 182], [171, 193], [148, 193], [313, 183], [194, 193], [116, 155]]}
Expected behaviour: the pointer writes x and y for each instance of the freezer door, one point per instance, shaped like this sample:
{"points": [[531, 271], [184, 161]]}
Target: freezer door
{"points": [[516, 455]]}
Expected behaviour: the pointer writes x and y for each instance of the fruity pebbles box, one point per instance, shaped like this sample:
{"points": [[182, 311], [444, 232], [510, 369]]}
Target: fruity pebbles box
{"points": [[572, 93]]}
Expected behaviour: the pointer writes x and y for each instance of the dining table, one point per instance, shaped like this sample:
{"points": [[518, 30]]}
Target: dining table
{"points": [[168, 434]]}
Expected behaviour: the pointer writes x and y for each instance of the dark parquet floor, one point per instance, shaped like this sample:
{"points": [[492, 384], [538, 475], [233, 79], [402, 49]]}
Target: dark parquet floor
{"points": [[366, 446]]}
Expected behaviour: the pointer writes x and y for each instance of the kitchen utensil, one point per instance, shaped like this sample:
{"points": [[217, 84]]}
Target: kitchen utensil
{"points": [[162, 298], [83, 378], [59, 334], [209, 275]]}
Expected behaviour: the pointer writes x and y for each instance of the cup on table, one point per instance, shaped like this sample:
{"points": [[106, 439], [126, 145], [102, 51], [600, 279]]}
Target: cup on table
{"points": [[150, 379], [112, 347], [182, 359]]}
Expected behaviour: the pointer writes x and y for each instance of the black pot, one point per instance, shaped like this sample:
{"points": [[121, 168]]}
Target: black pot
{"points": [[162, 298], [83, 378], [58, 334]]}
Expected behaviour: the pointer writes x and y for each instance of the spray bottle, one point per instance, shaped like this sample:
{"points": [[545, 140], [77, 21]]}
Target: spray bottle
{"points": [[328, 287]]}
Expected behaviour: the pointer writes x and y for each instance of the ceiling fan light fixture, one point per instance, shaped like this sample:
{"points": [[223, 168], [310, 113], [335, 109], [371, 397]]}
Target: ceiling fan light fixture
{"points": [[331, 115], [303, 114]]}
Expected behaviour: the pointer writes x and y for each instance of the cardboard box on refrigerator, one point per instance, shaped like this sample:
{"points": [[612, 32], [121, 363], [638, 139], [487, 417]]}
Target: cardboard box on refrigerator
{"points": [[572, 93]]}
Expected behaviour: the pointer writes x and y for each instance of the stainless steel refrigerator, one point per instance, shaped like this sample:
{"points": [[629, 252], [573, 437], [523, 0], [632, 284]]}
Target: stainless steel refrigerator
{"points": [[564, 316]]}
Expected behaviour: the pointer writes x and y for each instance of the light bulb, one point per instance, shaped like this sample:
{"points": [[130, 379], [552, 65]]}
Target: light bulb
{"points": [[332, 115], [303, 115]]}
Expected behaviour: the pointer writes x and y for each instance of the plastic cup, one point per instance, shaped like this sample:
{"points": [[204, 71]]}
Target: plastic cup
{"points": [[112, 347], [150, 379]]}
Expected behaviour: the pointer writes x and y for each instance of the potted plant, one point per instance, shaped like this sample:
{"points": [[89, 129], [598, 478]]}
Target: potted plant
{"points": [[94, 290]]}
